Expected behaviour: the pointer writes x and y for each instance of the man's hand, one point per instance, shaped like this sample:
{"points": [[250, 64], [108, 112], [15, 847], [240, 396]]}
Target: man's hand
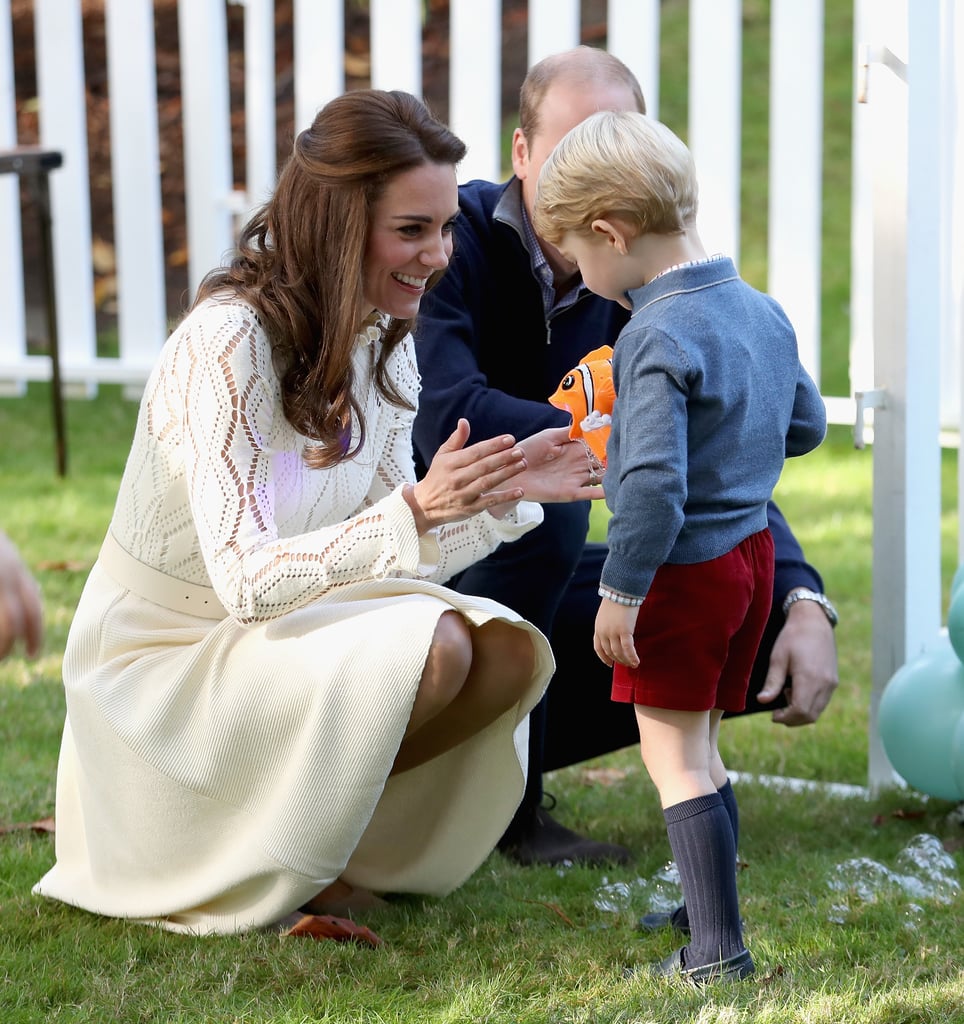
{"points": [[806, 651], [558, 469]]}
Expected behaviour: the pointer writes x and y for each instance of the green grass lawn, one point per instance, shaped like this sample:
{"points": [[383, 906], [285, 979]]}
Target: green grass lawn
{"points": [[836, 932], [513, 944]]}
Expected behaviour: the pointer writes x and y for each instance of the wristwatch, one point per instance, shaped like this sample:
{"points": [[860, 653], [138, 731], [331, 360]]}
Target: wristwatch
{"points": [[803, 594]]}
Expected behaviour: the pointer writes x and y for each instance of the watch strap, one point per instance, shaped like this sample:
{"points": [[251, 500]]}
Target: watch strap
{"points": [[805, 594]]}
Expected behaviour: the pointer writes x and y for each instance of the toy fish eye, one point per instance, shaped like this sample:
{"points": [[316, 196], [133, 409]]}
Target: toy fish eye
{"points": [[568, 382]]}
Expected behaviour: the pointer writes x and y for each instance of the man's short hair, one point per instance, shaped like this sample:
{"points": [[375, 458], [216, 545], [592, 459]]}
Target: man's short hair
{"points": [[582, 65]]}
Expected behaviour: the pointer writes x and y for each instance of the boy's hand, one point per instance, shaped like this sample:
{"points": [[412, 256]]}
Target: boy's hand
{"points": [[613, 639]]}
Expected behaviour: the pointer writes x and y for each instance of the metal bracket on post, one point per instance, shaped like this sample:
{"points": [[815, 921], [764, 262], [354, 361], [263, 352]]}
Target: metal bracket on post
{"points": [[875, 398], [871, 54]]}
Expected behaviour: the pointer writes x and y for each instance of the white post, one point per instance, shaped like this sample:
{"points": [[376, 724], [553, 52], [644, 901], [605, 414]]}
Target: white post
{"points": [[553, 26], [796, 169], [396, 45], [319, 30], [135, 181], [475, 93], [13, 323], [259, 102], [951, 132], [862, 374], [927, 257], [903, 97], [632, 34], [956, 34], [206, 105], [886, 97], [715, 91], [58, 31]]}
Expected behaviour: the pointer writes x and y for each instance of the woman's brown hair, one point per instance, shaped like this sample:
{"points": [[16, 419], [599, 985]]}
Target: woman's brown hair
{"points": [[299, 259]]}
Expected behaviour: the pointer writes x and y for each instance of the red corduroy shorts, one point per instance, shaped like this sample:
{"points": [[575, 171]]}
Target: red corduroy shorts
{"points": [[698, 631]]}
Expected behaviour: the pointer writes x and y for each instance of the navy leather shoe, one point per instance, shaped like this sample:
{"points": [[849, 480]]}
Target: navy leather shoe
{"points": [[660, 920], [549, 842], [734, 968]]}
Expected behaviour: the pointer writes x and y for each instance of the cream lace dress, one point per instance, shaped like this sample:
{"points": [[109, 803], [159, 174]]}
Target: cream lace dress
{"points": [[216, 772]]}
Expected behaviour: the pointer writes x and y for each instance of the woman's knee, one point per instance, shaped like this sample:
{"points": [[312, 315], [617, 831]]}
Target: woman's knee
{"points": [[448, 662], [504, 660]]}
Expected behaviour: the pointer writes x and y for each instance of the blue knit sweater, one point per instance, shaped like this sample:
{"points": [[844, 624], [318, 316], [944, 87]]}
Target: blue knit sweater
{"points": [[486, 351], [710, 399]]}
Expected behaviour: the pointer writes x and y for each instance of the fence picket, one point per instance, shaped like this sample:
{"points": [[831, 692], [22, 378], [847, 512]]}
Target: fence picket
{"points": [[135, 181], [62, 92], [796, 169], [715, 92], [13, 325], [475, 101]]}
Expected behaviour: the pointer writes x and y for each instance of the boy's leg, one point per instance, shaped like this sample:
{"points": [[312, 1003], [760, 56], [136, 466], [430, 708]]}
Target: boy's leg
{"points": [[680, 755]]}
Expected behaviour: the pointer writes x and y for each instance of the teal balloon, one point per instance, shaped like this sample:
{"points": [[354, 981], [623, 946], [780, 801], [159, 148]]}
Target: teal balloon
{"points": [[957, 580], [920, 720], [955, 622]]}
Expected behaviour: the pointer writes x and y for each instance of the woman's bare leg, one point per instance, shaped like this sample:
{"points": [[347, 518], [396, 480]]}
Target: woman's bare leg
{"points": [[343, 900], [500, 660], [471, 676]]}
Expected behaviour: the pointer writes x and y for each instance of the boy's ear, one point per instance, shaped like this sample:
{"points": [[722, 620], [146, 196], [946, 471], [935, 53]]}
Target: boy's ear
{"points": [[614, 232]]}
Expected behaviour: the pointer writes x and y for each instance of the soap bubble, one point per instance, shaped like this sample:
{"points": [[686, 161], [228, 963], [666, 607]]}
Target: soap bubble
{"points": [[926, 872], [659, 893]]}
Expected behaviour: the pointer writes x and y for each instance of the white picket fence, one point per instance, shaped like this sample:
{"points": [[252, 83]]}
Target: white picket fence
{"points": [[907, 223], [213, 204]]}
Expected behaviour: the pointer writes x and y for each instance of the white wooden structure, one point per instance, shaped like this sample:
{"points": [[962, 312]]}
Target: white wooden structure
{"points": [[908, 228], [908, 163], [213, 204]]}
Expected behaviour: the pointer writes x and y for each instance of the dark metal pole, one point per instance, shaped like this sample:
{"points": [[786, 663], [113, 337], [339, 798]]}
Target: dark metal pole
{"points": [[41, 191], [35, 164]]}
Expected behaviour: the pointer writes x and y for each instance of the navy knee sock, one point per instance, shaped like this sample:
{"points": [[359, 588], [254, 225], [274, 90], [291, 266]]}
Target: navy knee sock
{"points": [[729, 802], [680, 916], [701, 838]]}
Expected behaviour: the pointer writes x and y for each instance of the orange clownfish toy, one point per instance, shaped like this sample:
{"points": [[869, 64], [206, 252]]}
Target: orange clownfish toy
{"points": [[587, 393]]}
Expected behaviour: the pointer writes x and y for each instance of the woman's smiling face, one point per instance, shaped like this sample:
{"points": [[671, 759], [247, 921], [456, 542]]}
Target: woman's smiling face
{"points": [[409, 238]]}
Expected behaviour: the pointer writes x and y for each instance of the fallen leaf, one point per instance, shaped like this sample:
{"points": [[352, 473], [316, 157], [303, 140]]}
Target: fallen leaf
{"points": [[603, 776], [555, 909], [340, 929], [43, 825]]}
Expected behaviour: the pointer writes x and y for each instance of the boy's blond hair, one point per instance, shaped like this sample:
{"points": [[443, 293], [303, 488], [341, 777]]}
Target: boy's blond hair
{"points": [[617, 163]]}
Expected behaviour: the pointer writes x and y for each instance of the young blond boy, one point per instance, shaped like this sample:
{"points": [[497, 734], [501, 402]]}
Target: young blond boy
{"points": [[710, 399]]}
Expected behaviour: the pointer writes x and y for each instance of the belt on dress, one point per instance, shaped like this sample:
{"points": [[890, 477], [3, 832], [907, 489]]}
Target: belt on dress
{"points": [[156, 586]]}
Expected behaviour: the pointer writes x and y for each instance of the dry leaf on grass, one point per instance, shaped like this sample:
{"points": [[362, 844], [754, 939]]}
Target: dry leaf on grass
{"points": [[43, 825], [602, 776]]}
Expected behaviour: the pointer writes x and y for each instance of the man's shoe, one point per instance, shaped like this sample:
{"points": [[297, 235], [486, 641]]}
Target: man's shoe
{"points": [[734, 968], [547, 842], [660, 920]]}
